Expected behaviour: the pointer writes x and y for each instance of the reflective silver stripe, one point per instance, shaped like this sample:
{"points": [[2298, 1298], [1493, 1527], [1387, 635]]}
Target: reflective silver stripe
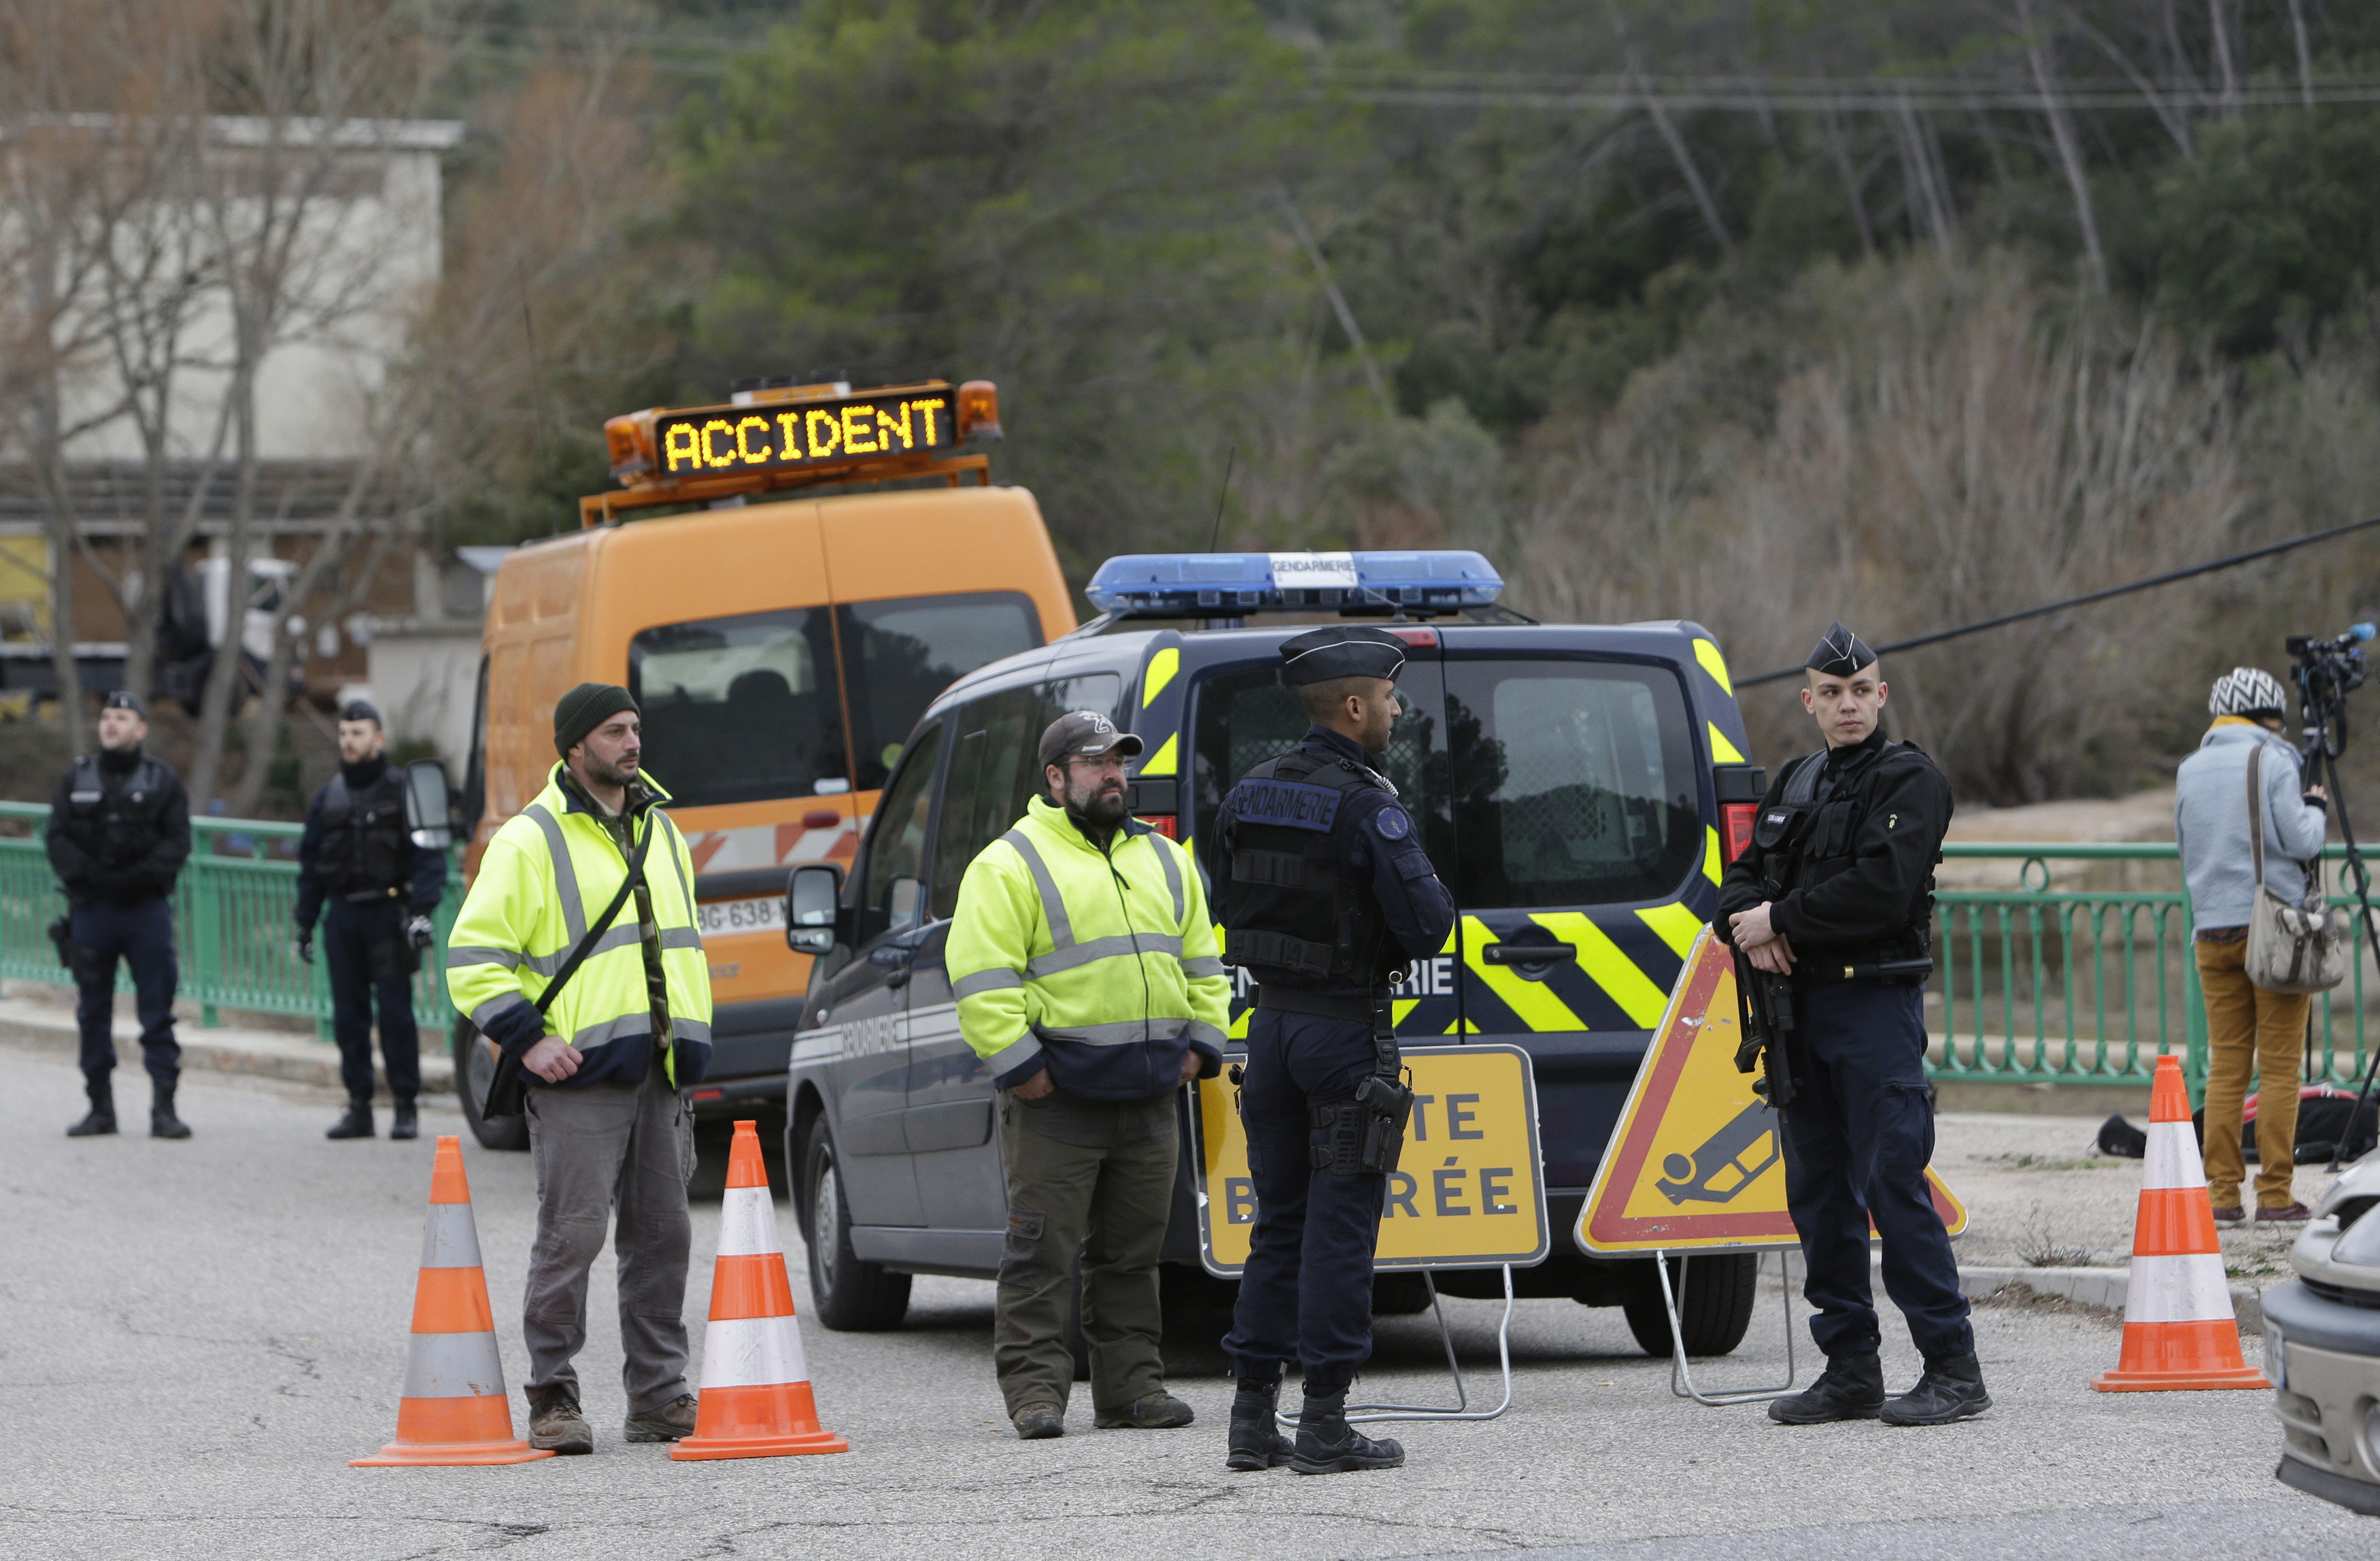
{"points": [[1014, 1057], [550, 964], [450, 1239], [691, 1029], [459, 958], [1061, 930], [1198, 1030], [594, 1035], [1114, 946], [681, 937], [1120, 1032], [1172, 877], [453, 1366], [565, 877], [495, 1008], [1202, 965], [1000, 980]]}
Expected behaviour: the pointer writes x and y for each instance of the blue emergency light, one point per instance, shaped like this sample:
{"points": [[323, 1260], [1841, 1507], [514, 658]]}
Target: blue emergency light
{"points": [[1187, 584]]}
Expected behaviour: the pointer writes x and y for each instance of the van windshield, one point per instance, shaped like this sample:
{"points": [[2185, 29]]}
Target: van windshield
{"points": [[741, 709]]}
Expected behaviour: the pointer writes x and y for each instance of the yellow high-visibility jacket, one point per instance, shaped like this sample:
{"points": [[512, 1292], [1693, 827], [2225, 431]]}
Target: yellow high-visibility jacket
{"points": [[550, 870], [1101, 966]]}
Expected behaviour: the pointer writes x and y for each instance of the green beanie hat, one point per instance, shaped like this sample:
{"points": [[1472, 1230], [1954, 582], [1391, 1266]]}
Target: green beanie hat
{"points": [[584, 708]]}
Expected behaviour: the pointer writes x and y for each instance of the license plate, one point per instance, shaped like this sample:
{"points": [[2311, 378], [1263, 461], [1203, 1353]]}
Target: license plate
{"points": [[718, 918]]}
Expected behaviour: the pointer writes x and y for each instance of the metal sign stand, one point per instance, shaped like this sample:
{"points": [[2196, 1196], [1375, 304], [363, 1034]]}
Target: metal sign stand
{"points": [[1681, 1373], [1461, 1410]]}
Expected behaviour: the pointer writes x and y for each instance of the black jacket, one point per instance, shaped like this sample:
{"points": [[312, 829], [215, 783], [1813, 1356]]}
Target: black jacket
{"points": [[420, 875], [1857, 877], [119, 829]]}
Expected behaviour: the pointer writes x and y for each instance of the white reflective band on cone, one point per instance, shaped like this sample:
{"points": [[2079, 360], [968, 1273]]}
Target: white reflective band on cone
{"points": [[752, 1352], [2183, 1289], [2173, 1158], [450, 1239], [453, 1366], [747, 1223]]}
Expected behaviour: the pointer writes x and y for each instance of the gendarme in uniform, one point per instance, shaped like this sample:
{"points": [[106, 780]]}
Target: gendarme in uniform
{"points": [[1839, 879], [1327, 896]]}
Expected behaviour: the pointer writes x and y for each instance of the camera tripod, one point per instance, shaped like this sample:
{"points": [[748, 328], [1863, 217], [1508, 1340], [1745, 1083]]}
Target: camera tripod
{"points": [[2327, 671]]}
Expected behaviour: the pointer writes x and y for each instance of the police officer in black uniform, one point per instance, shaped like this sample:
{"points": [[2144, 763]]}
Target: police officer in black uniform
{"points": [[358, 856], [1327, 895], [119, 832], [1835, 890]]}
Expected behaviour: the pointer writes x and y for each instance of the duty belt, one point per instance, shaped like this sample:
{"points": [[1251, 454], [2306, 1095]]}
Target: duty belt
{"points": [[1822, 972], [365, 896], [1355, 1010]]}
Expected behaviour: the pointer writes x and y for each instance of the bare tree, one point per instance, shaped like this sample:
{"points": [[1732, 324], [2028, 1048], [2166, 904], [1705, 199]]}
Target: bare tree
{"points": [[2037, 53]]}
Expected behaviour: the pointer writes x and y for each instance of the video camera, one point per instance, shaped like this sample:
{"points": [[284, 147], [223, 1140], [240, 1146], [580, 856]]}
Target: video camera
{"points": [[2327, 671]]}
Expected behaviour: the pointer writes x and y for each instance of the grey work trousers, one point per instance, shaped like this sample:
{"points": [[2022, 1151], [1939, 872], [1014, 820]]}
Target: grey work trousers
{"points": [[628, 1147], [1094, 1178]]}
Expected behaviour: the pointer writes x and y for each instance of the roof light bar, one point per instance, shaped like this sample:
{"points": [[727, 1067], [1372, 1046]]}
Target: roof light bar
{"points": [[1190, 584]]}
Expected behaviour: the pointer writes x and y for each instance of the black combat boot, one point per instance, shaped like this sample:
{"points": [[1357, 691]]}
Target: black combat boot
{"points": [[1851, 1388], [404, 1122], [356, 1124], [163, 1123], [1952, 1389], [1256, 1441], [101, 1118], [1328, 1445]]}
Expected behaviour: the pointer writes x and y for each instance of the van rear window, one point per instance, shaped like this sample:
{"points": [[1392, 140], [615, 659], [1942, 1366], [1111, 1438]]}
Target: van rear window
{"points": [[740, 709]]}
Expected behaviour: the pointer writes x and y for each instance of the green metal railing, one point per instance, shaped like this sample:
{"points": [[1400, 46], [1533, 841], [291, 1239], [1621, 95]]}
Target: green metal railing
{"points": [[231, 920], [2044, 983]]}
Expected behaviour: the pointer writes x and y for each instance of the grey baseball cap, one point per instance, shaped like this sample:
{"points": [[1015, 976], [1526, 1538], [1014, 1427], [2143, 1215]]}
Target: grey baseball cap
{"points": [[1082, 733]]}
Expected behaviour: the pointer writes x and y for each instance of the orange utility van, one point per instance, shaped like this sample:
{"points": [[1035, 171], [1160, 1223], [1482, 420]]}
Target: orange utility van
{"points": [[833, 562]]}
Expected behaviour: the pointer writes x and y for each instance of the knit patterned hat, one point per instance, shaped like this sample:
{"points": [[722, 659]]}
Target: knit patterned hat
{"points": [[2247, 690]]}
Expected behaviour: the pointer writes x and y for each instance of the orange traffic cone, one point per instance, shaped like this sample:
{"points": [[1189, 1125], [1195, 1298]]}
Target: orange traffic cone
{"points": [[756, 1400], [454, 1410], [2179, 1327]]}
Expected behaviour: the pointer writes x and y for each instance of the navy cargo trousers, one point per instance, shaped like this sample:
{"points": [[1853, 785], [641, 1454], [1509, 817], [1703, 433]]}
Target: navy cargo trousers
{"points": [[142, 935], [1306, 1292], [1858, 1135], [365, 950]]}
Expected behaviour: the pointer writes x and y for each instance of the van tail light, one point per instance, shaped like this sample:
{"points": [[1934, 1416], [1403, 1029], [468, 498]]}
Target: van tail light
{"points": [[1735, 820], [1162, 824]]}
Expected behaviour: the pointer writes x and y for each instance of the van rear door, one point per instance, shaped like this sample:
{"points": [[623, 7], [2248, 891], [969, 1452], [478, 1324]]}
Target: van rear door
{"points": [[1579, 800]]}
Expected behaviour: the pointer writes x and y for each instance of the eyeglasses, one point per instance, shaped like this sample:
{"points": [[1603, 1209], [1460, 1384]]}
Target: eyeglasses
{"points": [[1094, 761]]}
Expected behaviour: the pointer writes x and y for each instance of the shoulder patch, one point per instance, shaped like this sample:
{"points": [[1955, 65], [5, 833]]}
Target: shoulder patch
{"points": [[1392, 822], [1288, 803]]}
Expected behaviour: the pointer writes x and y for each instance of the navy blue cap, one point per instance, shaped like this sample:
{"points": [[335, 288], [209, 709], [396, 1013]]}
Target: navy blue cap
{"points": [[361, 710], [1840, 654], [1324, 653], [125, 698]]}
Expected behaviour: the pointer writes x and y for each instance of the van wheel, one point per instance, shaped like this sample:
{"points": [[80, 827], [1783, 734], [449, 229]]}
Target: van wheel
{"points": [[1714, 1304], [474, 1069], [852, 1297]]}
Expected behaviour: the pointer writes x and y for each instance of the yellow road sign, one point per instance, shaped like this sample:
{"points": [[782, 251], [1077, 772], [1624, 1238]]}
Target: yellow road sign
{"points": [[1695, 1163], [1468, 1192]]}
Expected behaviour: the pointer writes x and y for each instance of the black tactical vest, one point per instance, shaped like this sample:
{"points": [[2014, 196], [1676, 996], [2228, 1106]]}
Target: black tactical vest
{"points": [[364, 835], [119, 826], [1812, 834], [1287, 904]]}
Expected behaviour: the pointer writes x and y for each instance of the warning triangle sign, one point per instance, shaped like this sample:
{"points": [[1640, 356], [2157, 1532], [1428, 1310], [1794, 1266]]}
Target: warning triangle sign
{"points": [[1695, 1163]]}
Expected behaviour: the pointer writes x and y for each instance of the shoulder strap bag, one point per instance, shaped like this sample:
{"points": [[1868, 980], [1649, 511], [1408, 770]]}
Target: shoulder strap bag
{"points": [[507, 1092], [2291, 948]]}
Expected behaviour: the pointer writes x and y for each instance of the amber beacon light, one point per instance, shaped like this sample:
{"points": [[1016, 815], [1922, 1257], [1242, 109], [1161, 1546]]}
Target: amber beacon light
{"points": [[978, 410]]}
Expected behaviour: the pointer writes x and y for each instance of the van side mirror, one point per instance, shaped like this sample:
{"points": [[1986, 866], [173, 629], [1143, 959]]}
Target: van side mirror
{"points": [[813, 903], [428, 805]]}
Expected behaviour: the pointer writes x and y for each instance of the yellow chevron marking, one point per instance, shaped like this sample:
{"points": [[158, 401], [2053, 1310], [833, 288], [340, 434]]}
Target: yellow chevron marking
{"points": [[1607, 966], [1240, 1025], [1402, 1011], [1463, 1027], [1674, 925], [1711, 868], [1713, 663], [1166, 662], [1722, 750], [1162, 762], [1533, 1003]]}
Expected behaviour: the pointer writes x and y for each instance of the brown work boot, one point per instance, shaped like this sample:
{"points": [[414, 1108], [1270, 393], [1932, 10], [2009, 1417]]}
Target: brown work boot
{"points": [[1151, 1411], [2229, 1214], [1038, 1423], [663, 1423], [2296, 1213], [554, 1423]]}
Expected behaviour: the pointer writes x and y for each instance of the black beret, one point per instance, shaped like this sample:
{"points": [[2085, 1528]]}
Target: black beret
{"points": [[1840, 654], [1322, 654], [125, 698], [361, 710], [584, 708]]}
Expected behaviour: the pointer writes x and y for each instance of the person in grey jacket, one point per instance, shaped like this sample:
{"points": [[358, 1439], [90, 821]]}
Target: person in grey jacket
{"points": [[2248, 1028]]}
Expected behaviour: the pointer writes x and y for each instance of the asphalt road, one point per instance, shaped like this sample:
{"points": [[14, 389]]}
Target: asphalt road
{"points": [[199, 1335]]}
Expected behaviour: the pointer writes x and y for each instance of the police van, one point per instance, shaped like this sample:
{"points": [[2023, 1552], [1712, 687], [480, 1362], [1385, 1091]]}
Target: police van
{"points": [[1580, 788]]}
